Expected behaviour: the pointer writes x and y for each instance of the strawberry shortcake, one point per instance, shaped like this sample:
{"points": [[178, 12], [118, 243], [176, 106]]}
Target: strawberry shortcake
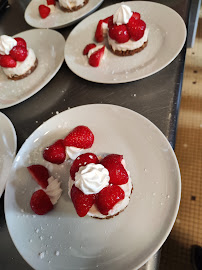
{"points": [[17, 61], [72, 5]]}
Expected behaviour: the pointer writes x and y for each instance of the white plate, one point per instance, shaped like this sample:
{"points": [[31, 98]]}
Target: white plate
{"points": [[59, 18], [8, 143], [123, 242], [48, 46], [167, 34]]}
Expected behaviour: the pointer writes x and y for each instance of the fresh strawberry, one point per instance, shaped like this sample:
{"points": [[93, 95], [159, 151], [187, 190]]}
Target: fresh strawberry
{"points": [[96, 57], [40, 174], [117, 173], [99, 35], [55, 153], [109, 20], [19, 53], [88, 48], [21, 42], [40, 202], [136, 29], [7, 61], [136, 15], [44, 11], [82, 160], [81, 201], [119, 33], [108, 197], [80, 137], [51, 2]]}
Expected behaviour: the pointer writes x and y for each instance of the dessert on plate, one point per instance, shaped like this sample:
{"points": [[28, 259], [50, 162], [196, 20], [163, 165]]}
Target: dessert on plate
{"points": [[99, 188], [72, 5], [17, 61]]}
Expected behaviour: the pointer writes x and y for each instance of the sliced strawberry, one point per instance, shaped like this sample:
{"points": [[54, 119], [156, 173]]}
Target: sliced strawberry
{"points": [[117, 173], [44, 11], [96, 57], [55, 153], [40, 202], [99, 35], [109, 20], [82, 160], [19, 53], [119, 33], [80, 137], [108, 197], [21, 42], [88, 48], [136, 29], [40, 174], [136, 15], [51, 2], [7, 61]]}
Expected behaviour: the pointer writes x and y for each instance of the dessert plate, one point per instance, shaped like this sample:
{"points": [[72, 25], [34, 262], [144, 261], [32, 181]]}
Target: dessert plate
{"points": [[8, 142], [48, 46], [62, 240], [59, 18], [164, 44]]}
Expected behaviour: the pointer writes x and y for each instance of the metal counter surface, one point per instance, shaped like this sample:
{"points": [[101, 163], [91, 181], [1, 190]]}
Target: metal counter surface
{"points": [[156, 97]]}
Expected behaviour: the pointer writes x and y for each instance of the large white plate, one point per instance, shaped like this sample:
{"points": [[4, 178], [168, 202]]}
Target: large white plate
{"points": [[59, 18], [167, 34], [48, 46], [8, 145], [123, 242]]}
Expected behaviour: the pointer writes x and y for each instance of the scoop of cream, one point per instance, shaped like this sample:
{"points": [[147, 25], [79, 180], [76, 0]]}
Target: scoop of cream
{"points": [[122, 15], [92, 178], [53, 190], [6, 44]]}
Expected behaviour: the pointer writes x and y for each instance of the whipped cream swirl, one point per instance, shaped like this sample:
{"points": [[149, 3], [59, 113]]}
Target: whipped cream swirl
{"points": [[92, 178], [6, 44], [53, 190], [73, 152], [122, 15]]}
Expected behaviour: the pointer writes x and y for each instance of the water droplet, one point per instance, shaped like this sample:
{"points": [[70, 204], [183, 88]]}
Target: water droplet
{"points": [[57, 253], [41, 255], [70, 247]]}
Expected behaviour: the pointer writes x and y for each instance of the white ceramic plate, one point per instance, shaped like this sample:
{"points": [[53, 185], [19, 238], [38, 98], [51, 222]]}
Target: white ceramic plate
{"points": [[48, 46], [8, 143], [167, 34], [59, 18], [123, 242]]}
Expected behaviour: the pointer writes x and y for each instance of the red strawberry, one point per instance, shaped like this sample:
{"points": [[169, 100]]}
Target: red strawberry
{"points": [[119, 33], [40, 202], [136, 29], [19, 53], [108, 197], [80, 137], [117, 173], [7, 61], [51, 2], [21, 42], [88, 48], [40, 174], [109, 20], [99, 36], [136, 15], [82, 160], [55, 153], [44, 11], [96, 57], [81, 201]]}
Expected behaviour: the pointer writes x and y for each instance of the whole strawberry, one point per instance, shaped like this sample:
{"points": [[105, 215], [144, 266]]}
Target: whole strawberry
{"points": [[136, 28], [6, 61], [44, 11], [40, 174], [55, 153], [19, 53], [119, 33], [21, 42], [40, 202]]}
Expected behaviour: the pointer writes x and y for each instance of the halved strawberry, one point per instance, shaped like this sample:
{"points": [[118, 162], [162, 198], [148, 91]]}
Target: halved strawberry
{"points": [[88, 48], [136, 29], [119, 33], [40, 202], [81, 201], [55, 153], [117, 173], [96, 57], [40, 174], [80, 137], [99, 35], [44, 11], [82, 160], [19, 53], [51, 2], [7, 61], [21, 42], [108, 197]]}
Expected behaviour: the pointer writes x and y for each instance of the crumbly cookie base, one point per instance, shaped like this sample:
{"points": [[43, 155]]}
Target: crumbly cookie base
{"points": [[16, 77], [74, 8], [129, 52]]}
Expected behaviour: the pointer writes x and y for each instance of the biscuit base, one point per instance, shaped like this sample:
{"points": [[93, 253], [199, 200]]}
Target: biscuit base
{"points": [[129, 52], [74, 8], [19, 77]]}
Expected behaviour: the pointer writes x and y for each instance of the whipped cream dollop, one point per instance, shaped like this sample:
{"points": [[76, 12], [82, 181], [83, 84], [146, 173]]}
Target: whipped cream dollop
{"points": [[92, 178], [73, 152], [6, 44], [122, 15], [71, 3], [53, 190]]}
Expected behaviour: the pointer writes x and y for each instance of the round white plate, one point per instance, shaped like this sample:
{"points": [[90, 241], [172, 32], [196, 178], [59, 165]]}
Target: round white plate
{"points": [[8, 143], [59, 18], [123, 242], [167, 34], [48, 46]]}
